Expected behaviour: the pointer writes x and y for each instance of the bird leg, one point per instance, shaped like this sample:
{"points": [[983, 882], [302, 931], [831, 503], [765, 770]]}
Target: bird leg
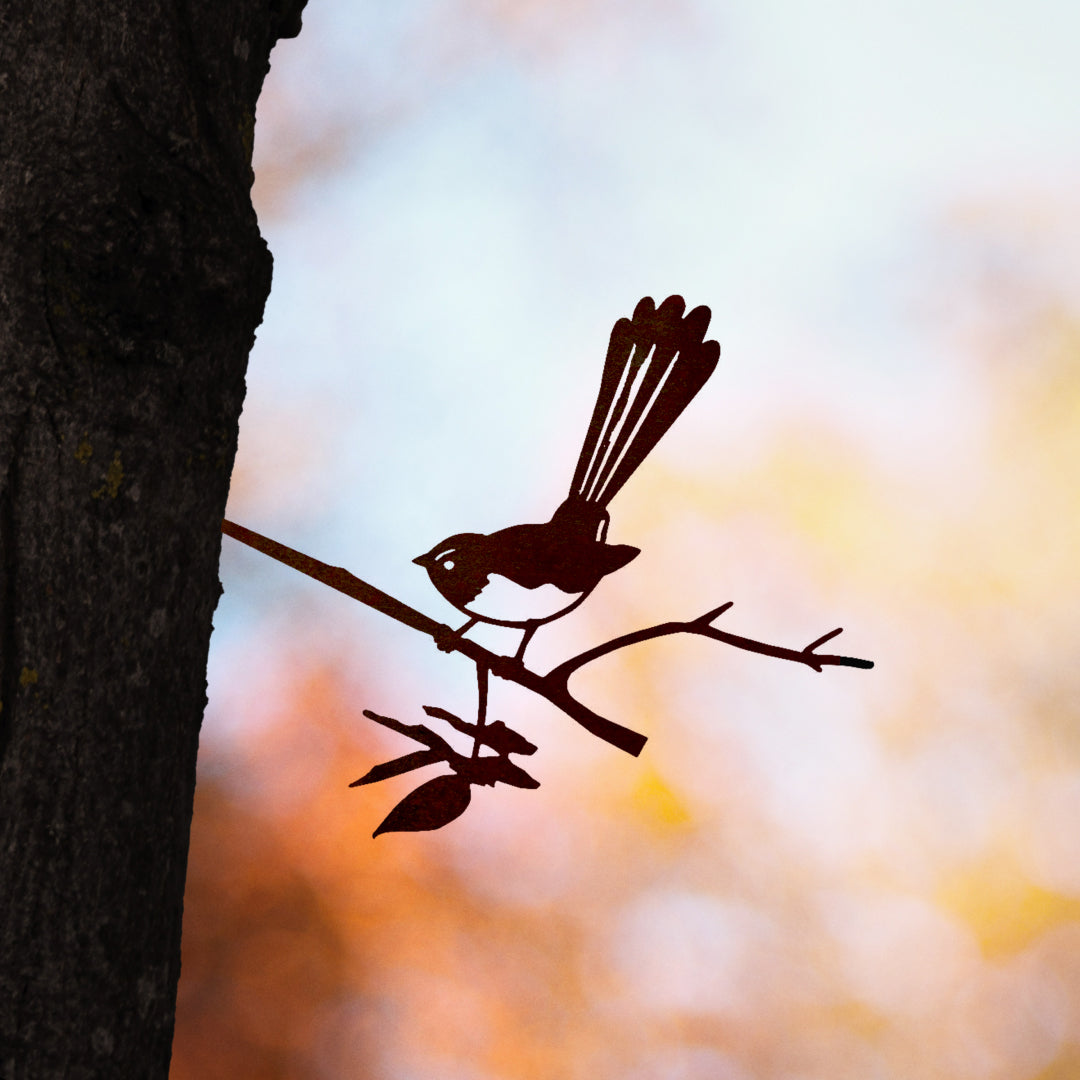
{"points": [[519, 656], [508, 667]]}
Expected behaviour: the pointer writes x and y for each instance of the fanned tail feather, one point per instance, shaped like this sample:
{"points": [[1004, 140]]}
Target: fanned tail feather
{"points": [[656, 362]]}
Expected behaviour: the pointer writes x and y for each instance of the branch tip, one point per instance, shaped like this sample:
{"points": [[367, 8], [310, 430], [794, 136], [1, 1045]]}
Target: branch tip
{"points": [[708, 617], [821, 640]]}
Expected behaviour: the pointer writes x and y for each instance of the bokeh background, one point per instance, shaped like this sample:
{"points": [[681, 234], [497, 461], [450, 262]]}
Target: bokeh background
{"points": [[864, 875]]}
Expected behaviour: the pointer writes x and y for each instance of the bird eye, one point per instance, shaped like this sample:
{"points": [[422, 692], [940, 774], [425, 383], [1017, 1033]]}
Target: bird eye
{"points": [[448, 564]]}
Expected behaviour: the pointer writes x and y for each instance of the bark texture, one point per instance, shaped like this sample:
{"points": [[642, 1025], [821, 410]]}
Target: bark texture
{"points": [[132, 278]]}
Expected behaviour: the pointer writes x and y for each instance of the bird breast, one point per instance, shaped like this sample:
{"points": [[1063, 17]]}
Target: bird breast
{"points": [[502, 600]]}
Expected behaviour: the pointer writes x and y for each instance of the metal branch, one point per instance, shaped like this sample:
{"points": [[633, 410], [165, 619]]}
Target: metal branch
{"points": [[552, 686], [702, 627]]}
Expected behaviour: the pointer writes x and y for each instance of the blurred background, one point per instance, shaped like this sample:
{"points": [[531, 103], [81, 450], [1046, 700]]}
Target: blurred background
{"points": [[865, 875]]}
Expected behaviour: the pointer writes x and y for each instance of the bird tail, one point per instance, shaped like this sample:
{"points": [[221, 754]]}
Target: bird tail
{"points": [[656, 362]]}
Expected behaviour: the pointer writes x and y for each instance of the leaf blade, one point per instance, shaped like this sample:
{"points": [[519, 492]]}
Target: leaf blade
{"points": [[406, 763], [430, 806]]}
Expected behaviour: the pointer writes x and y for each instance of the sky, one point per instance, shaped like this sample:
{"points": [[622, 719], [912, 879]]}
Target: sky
{"points": [[506, 182], [877, 203], [784, 164]]}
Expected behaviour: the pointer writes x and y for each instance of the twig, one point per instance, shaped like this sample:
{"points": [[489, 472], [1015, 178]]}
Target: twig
{"points": [[490, 770], [702, 627]]}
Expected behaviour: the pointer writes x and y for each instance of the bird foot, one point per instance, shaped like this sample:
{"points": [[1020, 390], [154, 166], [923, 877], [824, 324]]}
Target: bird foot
{"points": [[446, 638], [506, 667]]}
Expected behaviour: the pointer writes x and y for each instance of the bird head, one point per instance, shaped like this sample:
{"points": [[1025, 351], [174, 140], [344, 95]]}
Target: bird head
{"points": [[454, 568], [446, 556]]}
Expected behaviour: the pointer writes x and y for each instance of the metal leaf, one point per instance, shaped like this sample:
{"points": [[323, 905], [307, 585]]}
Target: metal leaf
{"points": [[430, 806], [505, 740], [494, 770], [416, 760]]}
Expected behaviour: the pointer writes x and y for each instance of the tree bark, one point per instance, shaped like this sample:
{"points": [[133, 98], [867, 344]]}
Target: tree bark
{"points": [[132, 277]]}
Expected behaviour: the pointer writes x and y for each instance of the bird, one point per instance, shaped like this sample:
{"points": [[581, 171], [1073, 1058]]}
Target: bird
{"points": [[527, 575]]}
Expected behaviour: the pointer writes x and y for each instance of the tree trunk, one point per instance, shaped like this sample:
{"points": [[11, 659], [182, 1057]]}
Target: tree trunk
{"points": [[132, 277]]}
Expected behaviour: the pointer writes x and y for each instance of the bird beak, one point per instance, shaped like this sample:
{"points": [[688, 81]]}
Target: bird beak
{"points": [[422, 560]]}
